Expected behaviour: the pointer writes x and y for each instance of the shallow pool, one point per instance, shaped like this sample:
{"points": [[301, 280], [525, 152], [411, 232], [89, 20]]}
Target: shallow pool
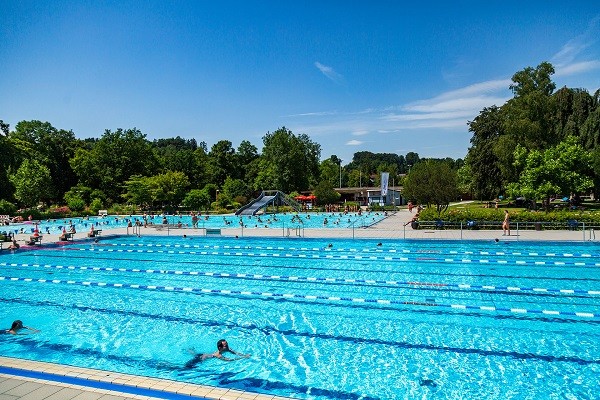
{"points": [[323, 319], [322, 220]]}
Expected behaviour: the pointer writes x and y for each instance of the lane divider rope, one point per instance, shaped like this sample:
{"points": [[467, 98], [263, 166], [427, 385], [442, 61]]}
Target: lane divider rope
{"points": [[312, 279], [308, 297], [352, 257], [357, 250]]}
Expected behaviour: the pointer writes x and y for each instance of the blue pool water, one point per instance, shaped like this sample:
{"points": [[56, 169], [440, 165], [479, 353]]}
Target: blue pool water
{"points": [[323, 319], [275, 221]]}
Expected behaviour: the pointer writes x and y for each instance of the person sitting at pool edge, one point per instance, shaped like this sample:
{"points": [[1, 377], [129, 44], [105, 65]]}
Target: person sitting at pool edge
{"points": [[222, 347], [17, 326]]}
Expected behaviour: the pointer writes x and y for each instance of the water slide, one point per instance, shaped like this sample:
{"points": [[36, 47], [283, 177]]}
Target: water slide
{"points": [[254, 206]]}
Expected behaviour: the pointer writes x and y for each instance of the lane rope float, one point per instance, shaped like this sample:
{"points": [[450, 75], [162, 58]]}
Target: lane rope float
{"points": [[581, 314]]}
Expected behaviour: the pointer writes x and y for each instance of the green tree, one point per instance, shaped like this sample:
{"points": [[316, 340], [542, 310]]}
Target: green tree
{"points": [[235, 188], [32, 183], [96, 205], [222, 162], [560, 170], [114, 158], [325, 193], [169, 188], [288, 162], [197, 199], [78, 192], [51, 147], [246, 155], [590, 129], [7, 208], [431, 182], [330, 171], [138, 190], [483, 155], [529, 113], [176, 154]]}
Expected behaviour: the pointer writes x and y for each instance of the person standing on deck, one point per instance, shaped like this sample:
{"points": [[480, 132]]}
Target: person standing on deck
{"points": [[506, 224]]}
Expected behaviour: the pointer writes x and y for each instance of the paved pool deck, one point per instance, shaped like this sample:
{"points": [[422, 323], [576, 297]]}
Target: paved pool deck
{"points": [[32, 380], [393, 226]]}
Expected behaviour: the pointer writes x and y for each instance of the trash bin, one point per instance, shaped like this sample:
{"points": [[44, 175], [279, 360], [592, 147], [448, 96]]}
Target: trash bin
{"points": [[538, 226], [414, 224]]}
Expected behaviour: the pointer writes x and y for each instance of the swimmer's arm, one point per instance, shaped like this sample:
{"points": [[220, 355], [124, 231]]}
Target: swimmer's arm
{"points": [[240, 355], [32, 329]]}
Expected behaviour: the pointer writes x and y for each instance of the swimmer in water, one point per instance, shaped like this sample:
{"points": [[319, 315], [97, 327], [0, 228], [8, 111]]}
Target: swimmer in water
{"points": [[18, 326], [222, 347]]}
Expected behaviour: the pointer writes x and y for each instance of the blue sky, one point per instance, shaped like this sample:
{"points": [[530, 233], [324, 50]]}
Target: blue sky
{"points": [[380, 76]]}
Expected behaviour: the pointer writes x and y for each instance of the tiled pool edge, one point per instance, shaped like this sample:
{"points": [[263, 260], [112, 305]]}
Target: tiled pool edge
{"points": [[122, 383]]}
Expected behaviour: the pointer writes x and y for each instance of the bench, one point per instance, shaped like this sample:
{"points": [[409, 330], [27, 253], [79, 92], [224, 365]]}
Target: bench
{"points": [[213, 231]]}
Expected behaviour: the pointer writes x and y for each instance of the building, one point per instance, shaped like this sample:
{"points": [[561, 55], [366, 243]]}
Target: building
{"points": [[369, 195]]}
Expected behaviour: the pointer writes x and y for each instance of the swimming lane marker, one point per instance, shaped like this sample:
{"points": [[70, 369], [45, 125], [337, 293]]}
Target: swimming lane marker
{"points": [[306, 297], [364, 250], [316, 279], [358, 257]]}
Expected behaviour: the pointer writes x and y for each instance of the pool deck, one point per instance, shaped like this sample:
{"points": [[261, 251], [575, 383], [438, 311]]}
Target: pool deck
{"points": [[392, 227], [32, 380]]}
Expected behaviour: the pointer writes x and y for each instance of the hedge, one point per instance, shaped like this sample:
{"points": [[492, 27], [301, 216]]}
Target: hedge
{"points": [[486, 214]]}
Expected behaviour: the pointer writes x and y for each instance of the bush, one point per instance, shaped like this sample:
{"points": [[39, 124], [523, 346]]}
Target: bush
{"points": [[76, 204], [122, 209], [7, 208], [57, 212], [96, 205], [490, 214]]}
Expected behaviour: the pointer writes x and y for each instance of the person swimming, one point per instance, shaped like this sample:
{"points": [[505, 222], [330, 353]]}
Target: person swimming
{"points": [[222, 347], [17, 326]]}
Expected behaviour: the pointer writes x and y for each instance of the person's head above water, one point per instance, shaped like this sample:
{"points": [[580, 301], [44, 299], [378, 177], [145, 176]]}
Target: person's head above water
{"points": [[222, 345], [18, 324]]}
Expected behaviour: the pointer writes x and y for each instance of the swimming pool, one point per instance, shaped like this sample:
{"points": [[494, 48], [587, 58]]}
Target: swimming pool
{"points": [[311, 220], [323, 319]]}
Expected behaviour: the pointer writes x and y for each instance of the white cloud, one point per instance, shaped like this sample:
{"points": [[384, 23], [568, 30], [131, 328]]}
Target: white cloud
{"points": [[577, 45], [354, 143], [360, 133], [329, 73], [313, 114], [577, 68]]}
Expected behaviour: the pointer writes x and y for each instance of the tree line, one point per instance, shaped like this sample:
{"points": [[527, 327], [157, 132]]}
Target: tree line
{"points": [[44, 164]]}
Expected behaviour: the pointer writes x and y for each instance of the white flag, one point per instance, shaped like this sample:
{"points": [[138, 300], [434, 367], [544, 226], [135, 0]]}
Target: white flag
{"points": [[385, 176]]}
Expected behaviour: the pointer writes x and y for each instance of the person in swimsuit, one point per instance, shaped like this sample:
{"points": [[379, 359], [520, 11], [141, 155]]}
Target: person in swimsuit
{"points": [[222, 347], [506, 224], [17, 326]]}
